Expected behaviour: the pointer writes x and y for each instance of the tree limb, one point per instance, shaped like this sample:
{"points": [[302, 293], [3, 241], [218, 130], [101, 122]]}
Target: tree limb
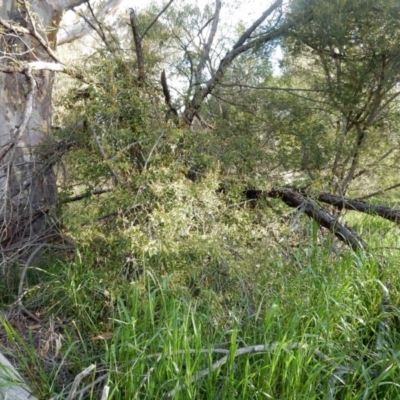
{"points": [[76, 31], [138, 45], [207, 46], [167, 95], [296, 199], [42, 65], [378, 192], [156, 18], [361, 206], [238, 48]]}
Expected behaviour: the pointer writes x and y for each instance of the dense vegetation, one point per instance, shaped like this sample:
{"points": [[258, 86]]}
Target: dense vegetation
{"points": [[182, 273]]}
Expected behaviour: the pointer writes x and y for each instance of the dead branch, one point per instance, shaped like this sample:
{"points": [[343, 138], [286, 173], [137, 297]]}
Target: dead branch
{"points": [[245, 350], [42, 66], [138, 46], [31, 32], [295, 199], [378, 192], [356, 205], [298, 198], [156, 18], [78, 380], [167, 95], [86, 195]]}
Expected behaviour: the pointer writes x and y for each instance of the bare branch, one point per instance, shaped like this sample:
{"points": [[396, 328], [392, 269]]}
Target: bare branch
{"points": [[81, 29], [167, 95], [78, 380], [361, 206], [239, 47], [246, 35], [207, 46], [138, 46], [32, 32], [156, 18], [42, 65], [378, 192], [244, 350], [296, 199]]}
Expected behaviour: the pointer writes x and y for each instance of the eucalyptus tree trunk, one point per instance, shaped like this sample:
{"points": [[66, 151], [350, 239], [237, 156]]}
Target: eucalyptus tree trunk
{"points": [[27, 181]]}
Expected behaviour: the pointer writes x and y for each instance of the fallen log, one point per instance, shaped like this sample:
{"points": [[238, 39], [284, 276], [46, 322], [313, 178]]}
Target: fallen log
{"points": [[361, 206], [297, 199]]}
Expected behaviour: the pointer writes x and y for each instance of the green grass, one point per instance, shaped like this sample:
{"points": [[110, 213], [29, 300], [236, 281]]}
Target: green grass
{"points": [[318, 316]]}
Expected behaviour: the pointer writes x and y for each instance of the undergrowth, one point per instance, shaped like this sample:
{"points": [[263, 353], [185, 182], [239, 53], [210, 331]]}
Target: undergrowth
{"points": [[317, 315]]}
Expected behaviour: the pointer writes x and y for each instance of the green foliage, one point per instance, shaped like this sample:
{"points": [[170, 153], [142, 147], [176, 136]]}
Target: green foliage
{"points": [[172, 262], [317, 315]]}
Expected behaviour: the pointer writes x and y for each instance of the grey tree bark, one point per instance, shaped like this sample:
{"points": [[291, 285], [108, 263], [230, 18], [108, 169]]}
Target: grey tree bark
{"points": [[27, 64]]}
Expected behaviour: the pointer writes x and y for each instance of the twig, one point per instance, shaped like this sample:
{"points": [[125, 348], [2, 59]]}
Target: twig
{"points": [[378, 192], [152, 150], [85, 195], [26, 266], [106, 390], [78, 380]]}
